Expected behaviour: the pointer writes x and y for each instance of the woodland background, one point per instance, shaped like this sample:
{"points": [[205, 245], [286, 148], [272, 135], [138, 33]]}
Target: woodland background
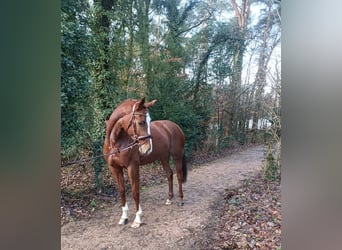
{"points": [[213, 66]]}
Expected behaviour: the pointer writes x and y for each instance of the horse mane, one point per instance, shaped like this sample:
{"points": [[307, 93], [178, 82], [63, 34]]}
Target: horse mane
{"points": [[123, 109]]}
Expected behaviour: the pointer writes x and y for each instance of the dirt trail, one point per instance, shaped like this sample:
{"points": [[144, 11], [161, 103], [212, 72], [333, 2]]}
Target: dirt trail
{"points": [[165, 227]]}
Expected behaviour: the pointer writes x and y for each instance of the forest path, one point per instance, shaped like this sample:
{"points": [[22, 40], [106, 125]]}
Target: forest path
{"points": [[166, 227]]}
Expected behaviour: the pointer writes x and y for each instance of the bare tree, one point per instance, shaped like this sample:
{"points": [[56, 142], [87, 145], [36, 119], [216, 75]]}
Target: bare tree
{"points": [[272, 110], [270, 38], [242, 14]]}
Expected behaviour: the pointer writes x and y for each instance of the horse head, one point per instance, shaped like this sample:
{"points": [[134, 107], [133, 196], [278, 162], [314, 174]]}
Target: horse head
{"points": [[137, 125]]}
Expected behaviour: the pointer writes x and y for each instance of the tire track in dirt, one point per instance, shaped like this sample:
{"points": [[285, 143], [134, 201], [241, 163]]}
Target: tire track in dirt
{"points": [[165, 227]]}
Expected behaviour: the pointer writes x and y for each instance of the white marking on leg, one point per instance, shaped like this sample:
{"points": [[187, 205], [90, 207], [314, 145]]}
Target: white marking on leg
{"points": [[124, 215], [137, 221], [168, 202]]}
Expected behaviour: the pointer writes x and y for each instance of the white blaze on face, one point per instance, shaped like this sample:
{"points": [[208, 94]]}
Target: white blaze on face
{"points": [[148, 122], [144, 147]]}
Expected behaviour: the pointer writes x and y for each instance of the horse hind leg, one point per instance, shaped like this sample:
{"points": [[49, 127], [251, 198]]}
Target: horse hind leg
{"points": [[181, 176], [169, 175]]}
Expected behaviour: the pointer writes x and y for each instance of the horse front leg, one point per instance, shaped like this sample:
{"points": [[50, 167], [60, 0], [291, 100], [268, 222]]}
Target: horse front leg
{"points": [[120, 181], [169, 175], [133, 173]]}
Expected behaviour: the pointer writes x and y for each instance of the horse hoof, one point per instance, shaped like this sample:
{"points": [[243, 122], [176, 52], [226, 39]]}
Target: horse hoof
{"points": [[168, 202], [181, 203], [123, 221], [136, 225]]}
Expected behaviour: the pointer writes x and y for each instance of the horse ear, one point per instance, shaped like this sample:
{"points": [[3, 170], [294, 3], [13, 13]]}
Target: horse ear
{"points": [[150, 104], [140, 104]]}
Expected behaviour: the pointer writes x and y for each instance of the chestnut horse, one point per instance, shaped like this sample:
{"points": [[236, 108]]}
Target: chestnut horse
{"points": [[133, 140]]}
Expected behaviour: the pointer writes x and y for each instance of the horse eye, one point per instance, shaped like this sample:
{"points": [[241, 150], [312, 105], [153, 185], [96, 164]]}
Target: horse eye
{"points": [[142, 123]]}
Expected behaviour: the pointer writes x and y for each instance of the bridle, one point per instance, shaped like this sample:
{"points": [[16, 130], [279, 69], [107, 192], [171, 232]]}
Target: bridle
{"points": [[133, 122], [135, 137]]}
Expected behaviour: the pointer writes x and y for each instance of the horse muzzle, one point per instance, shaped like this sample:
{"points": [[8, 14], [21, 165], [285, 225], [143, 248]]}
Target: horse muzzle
{"points": [[145, 144]]}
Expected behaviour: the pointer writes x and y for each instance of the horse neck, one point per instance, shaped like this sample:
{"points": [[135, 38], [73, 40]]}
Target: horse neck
{"points": [[123, 109], [123, 139]]}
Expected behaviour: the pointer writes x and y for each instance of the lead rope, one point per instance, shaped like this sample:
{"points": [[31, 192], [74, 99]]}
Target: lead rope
{"points": [[118, 150]]}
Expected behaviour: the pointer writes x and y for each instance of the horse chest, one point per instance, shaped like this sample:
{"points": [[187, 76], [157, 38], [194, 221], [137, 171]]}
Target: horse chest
{"points": [[124, 159]]}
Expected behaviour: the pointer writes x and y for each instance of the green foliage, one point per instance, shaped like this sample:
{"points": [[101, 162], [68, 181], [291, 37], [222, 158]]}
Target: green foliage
{"points": [[179, 54], [169, 90], [98, 164], [75, 79]]}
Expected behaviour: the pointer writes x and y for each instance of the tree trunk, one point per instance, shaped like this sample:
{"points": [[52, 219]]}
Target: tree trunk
{"points": [[242, 15], [260, 78], [101, 78], [142, 7]]}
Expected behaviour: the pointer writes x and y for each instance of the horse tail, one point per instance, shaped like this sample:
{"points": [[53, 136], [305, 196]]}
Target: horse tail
{"points": [[184, 169]]}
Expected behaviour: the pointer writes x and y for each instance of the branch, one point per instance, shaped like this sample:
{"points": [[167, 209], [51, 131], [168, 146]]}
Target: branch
{"points": [[194, 26], [184, 15], [237, 13]]}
